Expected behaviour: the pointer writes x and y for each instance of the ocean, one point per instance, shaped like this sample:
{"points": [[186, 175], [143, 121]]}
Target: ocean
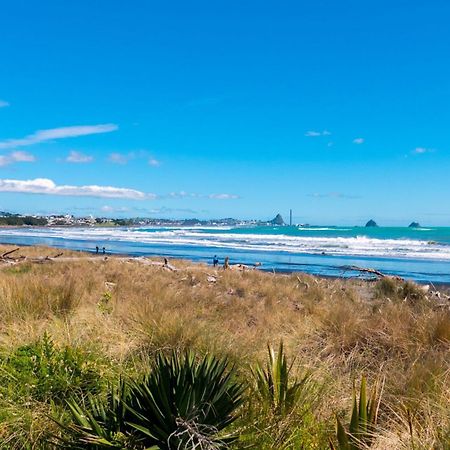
{"points": [[420, 254]]}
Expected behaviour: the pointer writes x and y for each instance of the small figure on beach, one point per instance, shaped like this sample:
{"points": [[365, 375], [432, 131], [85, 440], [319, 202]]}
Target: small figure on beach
{"points": [[166, 261], [96, 249], [226, 263], [104, 250], [215, 261]]}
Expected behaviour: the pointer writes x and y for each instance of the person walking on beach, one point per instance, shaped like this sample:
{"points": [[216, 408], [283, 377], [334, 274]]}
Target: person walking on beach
{"points": [[96, 249], [226, 264], [103, 250], [215, 261]]}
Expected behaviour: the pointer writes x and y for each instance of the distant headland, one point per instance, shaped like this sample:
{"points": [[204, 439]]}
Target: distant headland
{"points": [[61, 220]]}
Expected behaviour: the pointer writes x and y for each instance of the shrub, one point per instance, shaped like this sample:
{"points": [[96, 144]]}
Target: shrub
{"points": [[182, 403], [105, 303], [45, 372]]}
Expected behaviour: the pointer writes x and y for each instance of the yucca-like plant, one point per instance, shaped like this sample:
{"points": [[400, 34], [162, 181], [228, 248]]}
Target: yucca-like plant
{"points": [[278, 389], [363, 421], [280, 411], [181, 404], [99, 424]]}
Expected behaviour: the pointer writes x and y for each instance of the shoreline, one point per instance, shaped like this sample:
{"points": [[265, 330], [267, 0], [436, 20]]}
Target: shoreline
{"points": [[438, 286], [321, 253]]}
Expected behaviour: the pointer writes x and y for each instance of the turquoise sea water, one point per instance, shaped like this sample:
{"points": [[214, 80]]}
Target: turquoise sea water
{"points": [[421, 254]]}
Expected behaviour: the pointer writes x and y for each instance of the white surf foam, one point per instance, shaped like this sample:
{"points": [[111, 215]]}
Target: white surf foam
{"points": [[200, 237]]}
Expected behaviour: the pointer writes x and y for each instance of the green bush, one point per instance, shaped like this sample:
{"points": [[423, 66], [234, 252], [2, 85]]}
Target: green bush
{"points": [[182, 403], [105, 303], [44, 372]]}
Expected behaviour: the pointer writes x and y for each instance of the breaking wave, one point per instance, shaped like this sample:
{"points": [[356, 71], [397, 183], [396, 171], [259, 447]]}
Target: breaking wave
{"points": [[248, 241]]}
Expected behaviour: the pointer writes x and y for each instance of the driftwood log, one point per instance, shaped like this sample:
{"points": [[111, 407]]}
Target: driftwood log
{"points": [[6, 254], [372, 272]]}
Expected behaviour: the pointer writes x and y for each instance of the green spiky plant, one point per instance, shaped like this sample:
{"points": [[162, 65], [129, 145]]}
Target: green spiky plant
{"points": [[98, 424], [279, 414], [363, 421], [182, 403], [278, 389]]}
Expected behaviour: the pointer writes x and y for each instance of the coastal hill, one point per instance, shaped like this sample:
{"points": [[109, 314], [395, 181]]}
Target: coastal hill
{"points": [[371, 223], [414, 225], [277, 220]]}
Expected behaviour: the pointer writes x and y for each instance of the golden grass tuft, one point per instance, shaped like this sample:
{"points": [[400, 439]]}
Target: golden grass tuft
{"points": [[128, 311]]}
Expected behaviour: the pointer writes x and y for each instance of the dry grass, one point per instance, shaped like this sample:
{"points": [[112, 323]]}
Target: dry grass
{"points": [[339, 329]]}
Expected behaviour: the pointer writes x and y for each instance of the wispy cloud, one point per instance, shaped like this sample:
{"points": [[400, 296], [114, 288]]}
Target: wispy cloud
{"points": [[334, 195], [154, 162], [317, 133], [14, 157], [146, 211], [49, 187], [358, 141], [422, 150], [183, 194], [78, 158], [3, 104], [121, 158], [58, 133], [223, 196], [125, 158], [165, 210], [114, 209]]}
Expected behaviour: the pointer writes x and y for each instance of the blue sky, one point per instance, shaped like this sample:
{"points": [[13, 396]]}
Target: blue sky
{"points": [[339, 110]]}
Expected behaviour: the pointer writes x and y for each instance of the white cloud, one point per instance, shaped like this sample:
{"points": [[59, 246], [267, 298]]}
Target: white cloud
{"points": [[120, 158], [49, 187], [58, 133], [110, 209], [78, 157], [14, 157], [358, 141], [165, 210], [421, 150], [125, 158], [154, 162], [223, 196], [317, 133], [334, 195], [3, 104], [20, 156], [183, 194]]}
